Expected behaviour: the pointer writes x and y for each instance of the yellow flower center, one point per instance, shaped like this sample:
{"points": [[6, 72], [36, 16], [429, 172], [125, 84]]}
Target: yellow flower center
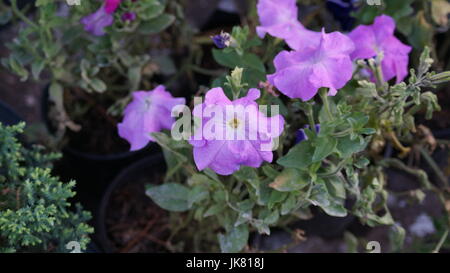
{"points": [[234, 123]]}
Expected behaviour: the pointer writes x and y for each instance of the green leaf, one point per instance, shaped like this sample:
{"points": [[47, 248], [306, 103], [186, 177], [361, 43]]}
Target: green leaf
{"points": [[235, 240], [5, 16], [290, 180], [332, 206], [134, 77], [289, 204], [170, 196], [43, 2], [197, 194], [335, 187], [300, 156], [347, 147], [36, 69], [157, 24], [270, 172], [98, 85], [324, 147], [151, 10], [56, 94], [214, 209], [232, 59], [397, 237]]}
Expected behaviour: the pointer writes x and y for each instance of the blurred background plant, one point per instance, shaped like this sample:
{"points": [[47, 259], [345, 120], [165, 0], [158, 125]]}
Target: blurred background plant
{"points": [[35, 212], [92, 75]]}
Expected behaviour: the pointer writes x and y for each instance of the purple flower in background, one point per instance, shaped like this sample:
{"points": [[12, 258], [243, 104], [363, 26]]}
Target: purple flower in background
{"points": [[129, 16], [222, 40], [148, 112], [279, 19], [301, 136], [103, 17], [225, 155], [300, 74], [97, 21], [379, 37]]}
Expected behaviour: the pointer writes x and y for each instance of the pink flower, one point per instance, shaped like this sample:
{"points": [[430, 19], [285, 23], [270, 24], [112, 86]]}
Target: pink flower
{"points": [[252, 133], [300, 74], [112, 5], [279, 19], [379, 37], [148, 112]]}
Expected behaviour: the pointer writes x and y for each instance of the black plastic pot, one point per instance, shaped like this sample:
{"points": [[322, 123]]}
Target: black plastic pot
{"points": [[8, 116], [144, 169]]}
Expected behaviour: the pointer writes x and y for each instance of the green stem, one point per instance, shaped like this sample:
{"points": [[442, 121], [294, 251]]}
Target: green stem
{"points": [[434, 166], [343, 133], [22, 16], [310, 114], [441, 242], [324, 96], [331, 173]]}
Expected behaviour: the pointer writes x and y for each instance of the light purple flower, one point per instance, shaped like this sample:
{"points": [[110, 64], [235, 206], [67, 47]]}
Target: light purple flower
{"points": [[279, 19], [224, 155], [97, 21], [148, 112], [300, 74], [379, 37]]}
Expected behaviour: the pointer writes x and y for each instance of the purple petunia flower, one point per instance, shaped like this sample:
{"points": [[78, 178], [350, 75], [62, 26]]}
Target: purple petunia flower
{"points": [[97, 21], [379, 37], [103, 17], [301, 136], [225, 155], [148, 112], [300, 74], [279, 19]]}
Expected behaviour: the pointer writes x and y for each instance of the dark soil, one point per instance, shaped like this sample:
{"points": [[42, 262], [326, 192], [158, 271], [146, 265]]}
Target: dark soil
{"points": [[133, 222], [98, 134]]}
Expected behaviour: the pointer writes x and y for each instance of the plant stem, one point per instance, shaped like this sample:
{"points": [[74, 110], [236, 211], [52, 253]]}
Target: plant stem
{"points": [[335, 171], [324, 96], [441, 242], [434, 166], [310, 114], [22, 16], [398, 145]]}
